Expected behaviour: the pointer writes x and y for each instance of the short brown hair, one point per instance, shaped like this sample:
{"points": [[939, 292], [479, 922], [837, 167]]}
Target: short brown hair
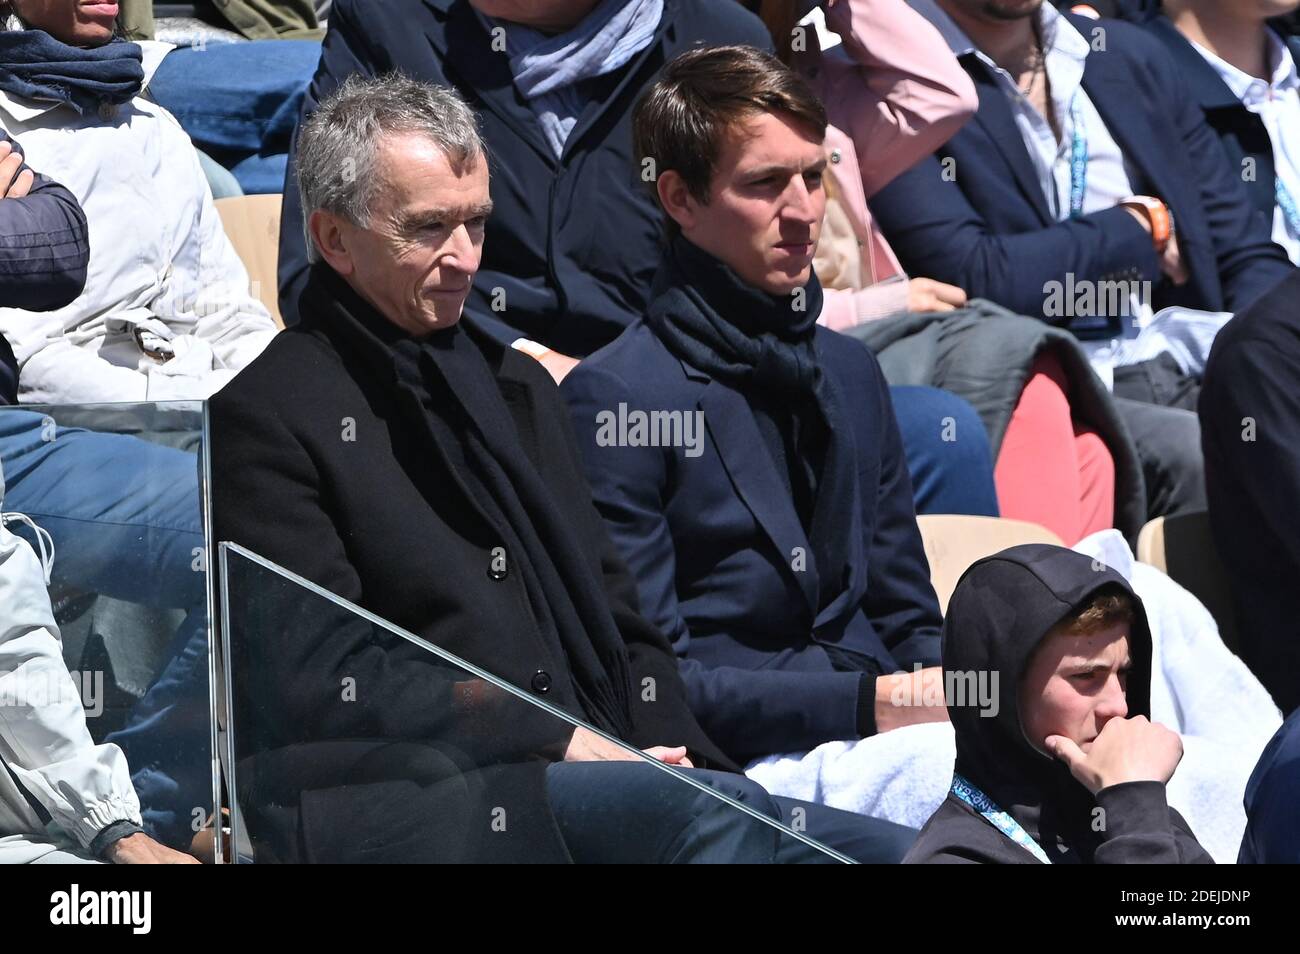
{"points": [[1109, 606], [681, 119]]}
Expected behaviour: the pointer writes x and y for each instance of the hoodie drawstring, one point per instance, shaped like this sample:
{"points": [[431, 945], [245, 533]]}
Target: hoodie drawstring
{"points": [[43, 540]]}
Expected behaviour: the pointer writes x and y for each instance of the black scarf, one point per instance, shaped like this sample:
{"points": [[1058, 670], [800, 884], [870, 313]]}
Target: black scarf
{"points": [[763, 346], [34, 65], [448, 378]]}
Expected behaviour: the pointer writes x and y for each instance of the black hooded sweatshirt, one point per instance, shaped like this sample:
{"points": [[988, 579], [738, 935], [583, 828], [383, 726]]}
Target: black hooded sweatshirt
{"points": [[1002, 608]]}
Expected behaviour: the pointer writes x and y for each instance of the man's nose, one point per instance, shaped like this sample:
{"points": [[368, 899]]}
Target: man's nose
{"points": [[460, 250], [802, 202], [1113, 703]]}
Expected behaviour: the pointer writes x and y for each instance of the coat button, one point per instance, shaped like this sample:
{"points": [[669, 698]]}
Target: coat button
{"points": [[836, 156], [541, 682]]}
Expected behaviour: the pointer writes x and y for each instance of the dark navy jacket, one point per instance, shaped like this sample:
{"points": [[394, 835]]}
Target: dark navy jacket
{"points": [[44, 251], [987, 227], [573, 243], [713, 540], [1241, 132]]}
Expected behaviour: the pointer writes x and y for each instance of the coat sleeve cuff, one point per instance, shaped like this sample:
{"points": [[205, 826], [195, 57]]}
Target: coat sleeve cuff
{"points": [[111, 836], [1134, 807], [867, 706]]}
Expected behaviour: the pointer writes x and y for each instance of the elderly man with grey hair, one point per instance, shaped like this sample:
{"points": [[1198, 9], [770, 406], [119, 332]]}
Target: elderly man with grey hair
{"points": [[414, 466]]}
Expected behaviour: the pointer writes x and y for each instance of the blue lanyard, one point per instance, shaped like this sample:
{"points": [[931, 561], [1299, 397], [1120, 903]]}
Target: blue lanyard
{"points": [[1286, 203], [996, 817], [1078, 158]]}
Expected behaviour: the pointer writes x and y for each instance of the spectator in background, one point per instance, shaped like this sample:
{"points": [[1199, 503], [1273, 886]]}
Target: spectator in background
{"points": [[1272, 794], [779, 549], [1070, 742], [167, 312], [62, 797], [1243, 74], [124, 517], [1093, 171], [1249, 409], [894, 94]]}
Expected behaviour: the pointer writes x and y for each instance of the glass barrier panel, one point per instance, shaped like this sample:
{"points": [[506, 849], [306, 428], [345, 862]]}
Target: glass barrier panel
{"points": [[107, 498], [427, 758]]}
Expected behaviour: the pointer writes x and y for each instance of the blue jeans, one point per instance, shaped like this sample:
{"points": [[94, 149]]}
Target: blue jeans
{"points": [[240, 102], [948, 452], [125, 519]]}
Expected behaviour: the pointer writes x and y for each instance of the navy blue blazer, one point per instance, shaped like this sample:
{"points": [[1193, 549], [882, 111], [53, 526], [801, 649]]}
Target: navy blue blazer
{"points": [[987, 226], [713, 540], [573, 242], [1241, 133]]}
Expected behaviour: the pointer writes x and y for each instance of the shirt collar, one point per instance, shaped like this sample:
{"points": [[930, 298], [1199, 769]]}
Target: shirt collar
{"points": [[1249, 88], [22, 109]]}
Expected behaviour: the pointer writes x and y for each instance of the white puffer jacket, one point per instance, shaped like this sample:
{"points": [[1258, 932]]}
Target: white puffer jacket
{"points": [[58, 789]]}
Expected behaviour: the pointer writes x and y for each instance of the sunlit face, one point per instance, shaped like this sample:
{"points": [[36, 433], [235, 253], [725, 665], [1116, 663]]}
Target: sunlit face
{"points": [[74, 22], [1074, 685], [766, 202], [545, 15], [416, 259]]}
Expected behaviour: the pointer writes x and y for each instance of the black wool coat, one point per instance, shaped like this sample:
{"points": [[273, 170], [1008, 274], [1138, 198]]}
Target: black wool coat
{"points": [[323, 465]]}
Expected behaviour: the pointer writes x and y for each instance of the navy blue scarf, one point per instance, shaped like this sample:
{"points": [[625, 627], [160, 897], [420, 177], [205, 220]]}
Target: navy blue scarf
{"points": [[35, 65], [763, 346]]}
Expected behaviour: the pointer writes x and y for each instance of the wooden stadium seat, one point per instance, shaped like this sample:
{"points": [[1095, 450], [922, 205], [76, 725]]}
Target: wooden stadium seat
{"points": [[954, 541], [253, 224], [1183, 548]]}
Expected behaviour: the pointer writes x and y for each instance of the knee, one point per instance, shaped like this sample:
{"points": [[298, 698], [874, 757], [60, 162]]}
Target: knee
{"points": [[940, 423], [948, 452]]}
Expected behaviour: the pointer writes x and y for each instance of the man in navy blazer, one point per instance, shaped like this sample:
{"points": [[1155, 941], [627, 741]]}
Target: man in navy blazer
{"points": [[1216, 44], [746, 460], [1087, 166]]}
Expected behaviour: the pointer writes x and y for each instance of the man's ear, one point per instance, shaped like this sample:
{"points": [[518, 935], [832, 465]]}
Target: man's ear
{"points": [[327, 232], [676, 199]]}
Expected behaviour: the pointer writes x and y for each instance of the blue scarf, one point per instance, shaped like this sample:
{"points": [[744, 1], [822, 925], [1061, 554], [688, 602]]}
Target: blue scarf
{"points": [[36, 66], [547, 69], [764, 346]]}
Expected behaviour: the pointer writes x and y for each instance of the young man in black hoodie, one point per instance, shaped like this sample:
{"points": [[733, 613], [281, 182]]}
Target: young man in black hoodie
{"points": [[1067, 768]]}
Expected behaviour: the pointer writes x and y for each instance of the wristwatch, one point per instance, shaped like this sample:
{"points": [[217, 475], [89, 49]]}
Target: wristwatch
{"points": [[1158, 217]]}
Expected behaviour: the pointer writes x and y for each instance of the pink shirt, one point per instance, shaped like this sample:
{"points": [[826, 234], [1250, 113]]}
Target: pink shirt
{"points": [[894, 93]]}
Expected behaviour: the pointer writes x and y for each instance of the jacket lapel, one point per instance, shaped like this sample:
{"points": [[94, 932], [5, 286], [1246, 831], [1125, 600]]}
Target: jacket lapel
{"points": [[994, 116], [740, 445], [1112, 90]]}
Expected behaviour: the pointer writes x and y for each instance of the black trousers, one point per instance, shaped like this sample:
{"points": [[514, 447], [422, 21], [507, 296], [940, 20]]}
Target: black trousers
{"points": [[1158, 404], [632, 813]]}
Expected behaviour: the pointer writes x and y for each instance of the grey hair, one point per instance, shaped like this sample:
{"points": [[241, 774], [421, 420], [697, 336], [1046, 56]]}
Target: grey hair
{"points": [[338, 145]]}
